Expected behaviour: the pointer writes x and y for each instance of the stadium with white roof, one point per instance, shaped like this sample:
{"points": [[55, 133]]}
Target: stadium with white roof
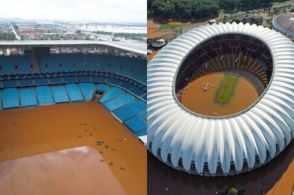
{"points": [[221, 145]]}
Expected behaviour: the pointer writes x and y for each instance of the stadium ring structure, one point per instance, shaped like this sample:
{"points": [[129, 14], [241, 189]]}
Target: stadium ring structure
{"points": [[220, 145]]}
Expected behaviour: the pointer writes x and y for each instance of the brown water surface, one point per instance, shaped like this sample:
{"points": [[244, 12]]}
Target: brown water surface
{"points": [[35, 131], [78, 170], [199, 96]]}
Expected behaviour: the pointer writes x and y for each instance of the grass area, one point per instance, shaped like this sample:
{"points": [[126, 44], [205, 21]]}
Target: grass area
{"points": [[170, 26], [226, 88]]}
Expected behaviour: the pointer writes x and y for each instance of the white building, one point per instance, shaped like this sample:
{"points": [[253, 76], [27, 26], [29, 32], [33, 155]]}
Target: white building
{"points": [[221, 145]]}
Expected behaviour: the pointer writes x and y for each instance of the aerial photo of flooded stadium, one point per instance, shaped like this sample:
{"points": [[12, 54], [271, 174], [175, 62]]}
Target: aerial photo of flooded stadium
{"points": [[220, 98], [72, 99]]}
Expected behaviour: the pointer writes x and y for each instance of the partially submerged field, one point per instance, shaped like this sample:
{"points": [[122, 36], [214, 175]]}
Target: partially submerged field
{"points": [[220, 93], [226, 88], [75, 148]]}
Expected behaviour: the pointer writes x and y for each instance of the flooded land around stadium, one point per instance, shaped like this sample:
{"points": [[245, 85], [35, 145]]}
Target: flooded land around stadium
{"points": [[274, 178], [77, 148], [204, 95]]}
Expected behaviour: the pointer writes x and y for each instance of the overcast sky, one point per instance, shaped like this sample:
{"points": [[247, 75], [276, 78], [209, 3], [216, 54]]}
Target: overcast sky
{"points": [[76, 10]]}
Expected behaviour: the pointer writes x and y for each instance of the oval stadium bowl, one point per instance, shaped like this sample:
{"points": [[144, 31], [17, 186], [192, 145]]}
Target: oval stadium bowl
{"points": [[227, 144]]}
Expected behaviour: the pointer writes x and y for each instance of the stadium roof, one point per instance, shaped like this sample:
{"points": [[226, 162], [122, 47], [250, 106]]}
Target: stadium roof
{"points": [[130, 46], [284, 23], [196, 143]]}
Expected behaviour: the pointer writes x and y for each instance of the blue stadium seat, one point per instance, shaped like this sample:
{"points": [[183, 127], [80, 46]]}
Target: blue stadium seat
{"points": [[98, 79], [44, 95], [28, 97], [6, 68], [9, 84], [111, 93], [10, 98], [88, 90], [25, 83], [83, 79], [118, 101], [41, 81], [138, 91], [69, 79], [130, 110], [138, 123], [131, 67], [113, 81], [55, 81], [15, 64], [126, 85], [103, 87], [59, 94], [74, 92]]}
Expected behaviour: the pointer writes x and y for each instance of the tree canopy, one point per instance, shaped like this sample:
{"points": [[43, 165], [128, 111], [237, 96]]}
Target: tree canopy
{"points": [[194, 9], [7, 36], [182, 9]]}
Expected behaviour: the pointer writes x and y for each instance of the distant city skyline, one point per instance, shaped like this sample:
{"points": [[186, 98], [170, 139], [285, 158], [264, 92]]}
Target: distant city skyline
{"points": [[112, 11]]}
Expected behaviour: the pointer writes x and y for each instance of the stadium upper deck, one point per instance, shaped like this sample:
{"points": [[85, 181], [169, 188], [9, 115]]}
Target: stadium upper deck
{"points": [[135, 47]]}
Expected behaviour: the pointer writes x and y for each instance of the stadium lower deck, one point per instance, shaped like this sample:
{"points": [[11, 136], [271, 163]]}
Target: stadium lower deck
{"points": [[57, 110]]}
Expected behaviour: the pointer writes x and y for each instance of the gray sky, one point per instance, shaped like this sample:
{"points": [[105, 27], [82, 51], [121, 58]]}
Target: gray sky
{"points": [[76, 10]]}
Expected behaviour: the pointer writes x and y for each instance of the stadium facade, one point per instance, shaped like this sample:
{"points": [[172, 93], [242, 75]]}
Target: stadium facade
{"points": [[225, 144]]}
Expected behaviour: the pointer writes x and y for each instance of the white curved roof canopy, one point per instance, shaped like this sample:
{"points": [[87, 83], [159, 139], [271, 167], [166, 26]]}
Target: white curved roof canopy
{"points": [[201, 145]]}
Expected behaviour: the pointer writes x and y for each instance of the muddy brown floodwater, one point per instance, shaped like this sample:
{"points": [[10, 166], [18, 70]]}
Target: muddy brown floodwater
{"points": [[199, 95], [69, 149], [69, 171]]}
